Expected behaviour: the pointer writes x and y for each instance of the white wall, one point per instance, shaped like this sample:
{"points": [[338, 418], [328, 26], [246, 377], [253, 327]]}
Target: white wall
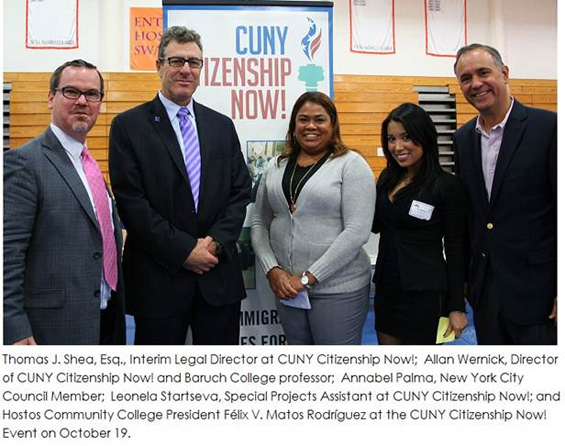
{"points": [[524, 31], [103, 36]]}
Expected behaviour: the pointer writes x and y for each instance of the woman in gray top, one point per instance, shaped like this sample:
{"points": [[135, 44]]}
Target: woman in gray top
{"points": [[313, 214]]}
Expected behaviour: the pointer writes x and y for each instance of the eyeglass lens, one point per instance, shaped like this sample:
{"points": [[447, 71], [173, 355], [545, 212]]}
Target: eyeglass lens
{"points": [[178, 62], [73, 93]]}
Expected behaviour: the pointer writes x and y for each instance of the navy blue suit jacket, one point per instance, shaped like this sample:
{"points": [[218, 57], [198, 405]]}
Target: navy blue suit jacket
{"points": [[153, 194], [516, 231]]}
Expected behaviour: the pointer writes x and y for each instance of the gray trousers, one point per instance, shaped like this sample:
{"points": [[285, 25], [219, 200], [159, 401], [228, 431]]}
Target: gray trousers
{"points": [[335, 319]]}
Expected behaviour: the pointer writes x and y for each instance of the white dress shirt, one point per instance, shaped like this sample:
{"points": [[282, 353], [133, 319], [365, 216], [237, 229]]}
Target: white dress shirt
{"points": [[490, 148]]}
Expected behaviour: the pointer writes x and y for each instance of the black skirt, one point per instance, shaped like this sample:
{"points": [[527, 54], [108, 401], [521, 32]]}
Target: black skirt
{"points": [[410, 316]]}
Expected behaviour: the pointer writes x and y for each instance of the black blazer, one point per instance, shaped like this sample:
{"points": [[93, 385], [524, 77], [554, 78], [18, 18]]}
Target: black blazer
{"points": [[420, 243], [516, 231], [155, 202]]}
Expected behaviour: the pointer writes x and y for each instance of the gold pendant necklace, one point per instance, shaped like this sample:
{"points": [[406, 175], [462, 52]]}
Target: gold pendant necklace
{"points": [[401, 185], [405, 182], [292, 193]]}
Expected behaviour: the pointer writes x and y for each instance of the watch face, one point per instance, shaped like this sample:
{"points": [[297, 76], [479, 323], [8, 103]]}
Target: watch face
{"points": [[304, 280]]}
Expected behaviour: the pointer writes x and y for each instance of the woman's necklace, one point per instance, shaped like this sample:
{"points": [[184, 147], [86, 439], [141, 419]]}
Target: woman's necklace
{"points": [[293, 192], [401, 185], [405, 182]]}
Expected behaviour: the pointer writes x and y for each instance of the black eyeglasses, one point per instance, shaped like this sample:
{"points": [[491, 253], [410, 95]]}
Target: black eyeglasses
{"points": [[74, 93], [178, 62]]}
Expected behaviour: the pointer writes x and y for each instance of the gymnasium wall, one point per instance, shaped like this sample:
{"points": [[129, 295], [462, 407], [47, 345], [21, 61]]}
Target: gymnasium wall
{"points": [[366, 86], [362, 101]]}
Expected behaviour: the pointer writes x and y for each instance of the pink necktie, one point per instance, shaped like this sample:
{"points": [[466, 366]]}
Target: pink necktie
{"points": [[191, 153], [102, 210]]}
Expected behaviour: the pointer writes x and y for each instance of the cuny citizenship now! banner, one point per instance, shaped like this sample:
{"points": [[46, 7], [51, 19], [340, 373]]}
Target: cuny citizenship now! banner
{"points": [[257, 61]]}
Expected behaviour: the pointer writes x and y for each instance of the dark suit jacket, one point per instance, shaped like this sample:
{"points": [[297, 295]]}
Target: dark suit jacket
{"points": [[420, 243], [156, 205], [522, 244], [52, 250]]}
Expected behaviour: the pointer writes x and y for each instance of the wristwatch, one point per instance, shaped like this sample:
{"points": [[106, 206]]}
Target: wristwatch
{"points": [[219, 249], [304, 280]]}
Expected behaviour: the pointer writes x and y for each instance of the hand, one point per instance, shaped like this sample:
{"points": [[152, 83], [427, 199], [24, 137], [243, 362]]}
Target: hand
{"points": [[212, 247], [201, 260], [553, 314], [26, 341], [284, 284], [457, 323]]}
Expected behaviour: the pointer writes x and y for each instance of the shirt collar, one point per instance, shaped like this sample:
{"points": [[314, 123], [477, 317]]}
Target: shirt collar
{"points": [[71, 145], [172, 108], [479, 126]]}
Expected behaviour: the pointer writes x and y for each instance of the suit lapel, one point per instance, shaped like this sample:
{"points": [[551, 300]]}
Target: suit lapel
{"points": [[204, 126], [117, 231], [477, 164], [513, 132], [160, 121], [56, 154]]}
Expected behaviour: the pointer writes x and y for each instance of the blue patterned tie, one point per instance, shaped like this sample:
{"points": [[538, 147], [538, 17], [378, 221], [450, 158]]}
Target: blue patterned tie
{"points": [[191, 153]]}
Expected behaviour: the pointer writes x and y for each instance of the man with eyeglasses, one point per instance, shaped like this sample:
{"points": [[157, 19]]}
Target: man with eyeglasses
{"points": [[182, 188], [62, 236]]}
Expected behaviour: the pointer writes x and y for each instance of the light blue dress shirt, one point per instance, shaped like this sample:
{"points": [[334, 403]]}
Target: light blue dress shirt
{"points": [[172, 111]]}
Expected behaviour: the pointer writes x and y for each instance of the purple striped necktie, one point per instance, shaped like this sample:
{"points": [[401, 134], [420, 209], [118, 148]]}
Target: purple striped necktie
{"points": [[100, 197], [191, 153]]}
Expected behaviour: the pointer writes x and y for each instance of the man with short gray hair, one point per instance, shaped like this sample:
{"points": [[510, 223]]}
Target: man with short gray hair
{"points": [[507, 160], [182, 188]]}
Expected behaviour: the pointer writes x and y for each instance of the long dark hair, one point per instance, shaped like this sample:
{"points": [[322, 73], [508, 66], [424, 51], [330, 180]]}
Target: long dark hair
{"points": [[336, 145], [422, 131]]}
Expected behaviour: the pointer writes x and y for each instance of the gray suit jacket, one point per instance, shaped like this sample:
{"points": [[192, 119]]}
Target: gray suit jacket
{"points": [[53, 251]]}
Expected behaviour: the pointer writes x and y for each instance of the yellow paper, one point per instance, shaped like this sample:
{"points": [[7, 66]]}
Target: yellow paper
{"points": [[441, 327]]}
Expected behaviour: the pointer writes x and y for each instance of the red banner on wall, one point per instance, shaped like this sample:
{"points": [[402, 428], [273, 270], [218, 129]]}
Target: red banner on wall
{"points": [[446, 26], [52, 24], [371, 26]]}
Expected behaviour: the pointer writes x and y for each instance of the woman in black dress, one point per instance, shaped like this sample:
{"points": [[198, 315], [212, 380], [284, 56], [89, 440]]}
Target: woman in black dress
{"points": [[420, 215]]}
